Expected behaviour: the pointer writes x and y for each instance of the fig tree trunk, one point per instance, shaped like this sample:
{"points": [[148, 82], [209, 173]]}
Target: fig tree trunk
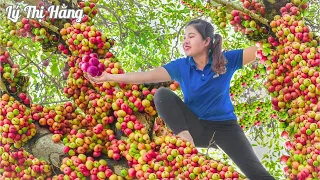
{"points": [[42, 146]]}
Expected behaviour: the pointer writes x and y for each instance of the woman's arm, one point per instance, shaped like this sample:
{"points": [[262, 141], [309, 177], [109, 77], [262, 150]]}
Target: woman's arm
{"points": [[249, 54], [159, 74]]}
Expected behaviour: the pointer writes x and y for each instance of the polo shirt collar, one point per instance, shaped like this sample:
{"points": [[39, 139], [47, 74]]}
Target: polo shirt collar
{"points": [[193, 64]]}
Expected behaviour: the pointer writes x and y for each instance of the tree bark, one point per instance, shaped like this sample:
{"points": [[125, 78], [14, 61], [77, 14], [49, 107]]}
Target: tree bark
{"points": [[272, 7], [242, 9], [42, 146], [3, 88], [147, 122]]}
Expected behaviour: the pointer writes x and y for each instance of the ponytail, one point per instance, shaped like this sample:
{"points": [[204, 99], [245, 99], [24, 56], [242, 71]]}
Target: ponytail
{"points": [[219, 61]]}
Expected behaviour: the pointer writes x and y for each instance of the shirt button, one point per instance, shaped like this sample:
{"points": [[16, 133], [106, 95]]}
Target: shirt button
{"points": [[202, 74]]}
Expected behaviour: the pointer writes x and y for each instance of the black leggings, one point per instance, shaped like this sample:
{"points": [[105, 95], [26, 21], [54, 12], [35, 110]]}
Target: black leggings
{"points": [[228, 135]]}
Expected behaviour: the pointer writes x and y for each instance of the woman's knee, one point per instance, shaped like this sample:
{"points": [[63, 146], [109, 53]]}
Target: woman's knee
{"points": [[162, 94]]}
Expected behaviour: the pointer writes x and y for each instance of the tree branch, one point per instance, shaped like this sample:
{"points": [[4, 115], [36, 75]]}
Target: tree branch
{"points": [[116, 16], [242, 9], [30, 2], [49, 26], [56, 102], [104, 21], [312, 25], [272, 7], [41, 146], [58, 87], [25, 66], [177, 41]]}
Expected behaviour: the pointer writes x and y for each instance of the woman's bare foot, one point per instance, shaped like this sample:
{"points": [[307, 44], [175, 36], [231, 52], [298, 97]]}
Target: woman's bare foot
{"points": [[185, 135]]}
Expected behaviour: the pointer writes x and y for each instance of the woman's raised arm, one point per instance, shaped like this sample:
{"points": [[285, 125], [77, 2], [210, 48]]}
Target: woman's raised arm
{"points": [[156, 75]]}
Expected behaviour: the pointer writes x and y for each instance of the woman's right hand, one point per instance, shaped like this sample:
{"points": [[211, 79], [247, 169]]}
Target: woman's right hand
{"points": [[98, 79]]}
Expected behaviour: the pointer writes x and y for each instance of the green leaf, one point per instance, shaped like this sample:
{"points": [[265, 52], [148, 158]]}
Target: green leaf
{"points": [[12, 74], [54, 70], [249, 29]]}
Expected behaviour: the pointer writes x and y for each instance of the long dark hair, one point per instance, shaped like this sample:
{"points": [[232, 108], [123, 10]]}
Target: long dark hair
{"points": [[215, 47]]}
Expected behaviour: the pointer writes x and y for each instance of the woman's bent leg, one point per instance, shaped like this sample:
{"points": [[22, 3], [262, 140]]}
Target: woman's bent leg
{"points": [[231, 139], [176, 114]]}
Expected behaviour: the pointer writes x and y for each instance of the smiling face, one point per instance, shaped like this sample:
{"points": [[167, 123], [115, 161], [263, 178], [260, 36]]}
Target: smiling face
{"points": [[193, 43]]}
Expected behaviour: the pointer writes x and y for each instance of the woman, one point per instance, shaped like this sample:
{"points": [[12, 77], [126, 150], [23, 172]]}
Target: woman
{"points": [[207, 112]]}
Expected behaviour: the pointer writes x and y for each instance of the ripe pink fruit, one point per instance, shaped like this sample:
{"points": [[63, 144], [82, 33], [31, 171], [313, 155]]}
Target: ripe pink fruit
{"points": [[25, 21], [109, 55], [22, 96], [84, 66], [235, 13], [94, 55], [86, 58], [101, 67], [94, 61], [93, 70], [26, 101], [45, 63], [3, 59]]}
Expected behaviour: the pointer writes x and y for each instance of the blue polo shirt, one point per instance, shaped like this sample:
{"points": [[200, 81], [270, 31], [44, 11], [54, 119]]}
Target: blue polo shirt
{"points": [[205, 94]]}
